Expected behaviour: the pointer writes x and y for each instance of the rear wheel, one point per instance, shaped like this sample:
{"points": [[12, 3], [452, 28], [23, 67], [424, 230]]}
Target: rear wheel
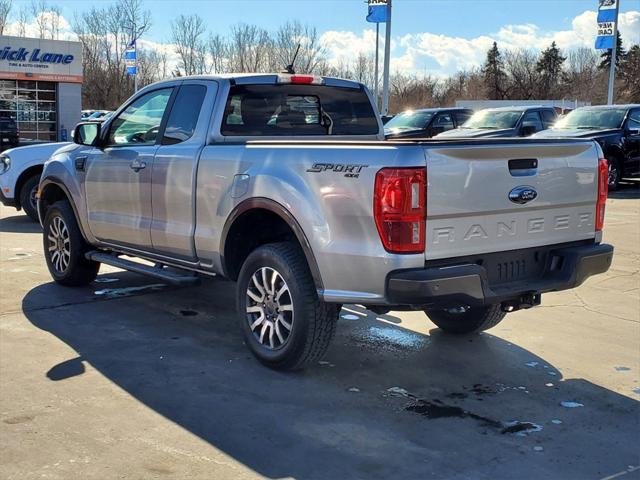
{"points": [[285, 325], [28, 197], [64, 247], [463, 320]]}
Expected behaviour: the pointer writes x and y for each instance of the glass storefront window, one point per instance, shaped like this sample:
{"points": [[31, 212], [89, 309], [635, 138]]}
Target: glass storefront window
{"points": [[51, 96], [27, 84], [33, 105], [49, 86]]}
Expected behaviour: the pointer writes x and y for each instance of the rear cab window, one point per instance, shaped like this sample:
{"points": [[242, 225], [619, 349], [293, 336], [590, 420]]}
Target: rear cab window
{"points": [[297, 110]]}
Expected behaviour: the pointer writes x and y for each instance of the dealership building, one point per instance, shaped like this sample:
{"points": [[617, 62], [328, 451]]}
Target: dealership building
{"points": [[41, 86]]}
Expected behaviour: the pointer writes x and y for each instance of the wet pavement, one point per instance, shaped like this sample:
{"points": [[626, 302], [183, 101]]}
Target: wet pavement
{"points": [[129, 378]]}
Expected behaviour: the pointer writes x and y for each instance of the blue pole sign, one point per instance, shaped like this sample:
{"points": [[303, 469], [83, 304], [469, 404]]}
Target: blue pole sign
{"points": [[378, 10], [607, 19], [130, 58]]}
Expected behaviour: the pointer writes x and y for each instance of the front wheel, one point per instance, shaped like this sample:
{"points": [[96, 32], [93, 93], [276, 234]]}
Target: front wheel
{"points": [[28, 194], [64, 247], [285, 325], [463, 320]]}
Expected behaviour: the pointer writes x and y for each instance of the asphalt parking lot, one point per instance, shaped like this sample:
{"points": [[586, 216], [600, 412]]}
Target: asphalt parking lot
{"points": [[132, 379]]}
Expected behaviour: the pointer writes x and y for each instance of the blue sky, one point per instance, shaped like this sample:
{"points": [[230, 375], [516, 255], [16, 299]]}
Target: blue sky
{"points": [[433, 36], [466, 18]]}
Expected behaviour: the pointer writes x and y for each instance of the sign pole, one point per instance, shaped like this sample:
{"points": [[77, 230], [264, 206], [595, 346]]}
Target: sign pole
{"points": [[614, 51], [376, 83], [387, 58]]}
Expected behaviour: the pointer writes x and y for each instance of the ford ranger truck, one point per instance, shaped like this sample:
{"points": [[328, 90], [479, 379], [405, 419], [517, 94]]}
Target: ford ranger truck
{"points": [[285, 185]]}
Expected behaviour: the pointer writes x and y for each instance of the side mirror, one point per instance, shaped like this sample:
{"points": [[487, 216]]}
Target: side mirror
{"points": [[527, 130], [633, 132], [87, 133]]}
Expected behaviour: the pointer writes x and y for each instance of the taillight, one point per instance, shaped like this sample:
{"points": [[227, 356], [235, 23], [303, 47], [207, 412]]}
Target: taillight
{"points": [[300, 79], [603, 190], [399, 208]]}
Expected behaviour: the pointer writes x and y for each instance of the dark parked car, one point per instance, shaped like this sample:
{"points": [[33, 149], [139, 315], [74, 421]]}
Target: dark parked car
{"points": [[517, 121], [426, 122], [615, 127], [9, 135]]}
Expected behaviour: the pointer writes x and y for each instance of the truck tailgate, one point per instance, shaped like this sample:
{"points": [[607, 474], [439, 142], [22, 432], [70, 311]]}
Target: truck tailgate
{"points": [[469, 210]]}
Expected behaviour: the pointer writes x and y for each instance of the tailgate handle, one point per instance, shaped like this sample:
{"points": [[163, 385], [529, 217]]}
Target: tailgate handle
{"points": [[523, 167]]}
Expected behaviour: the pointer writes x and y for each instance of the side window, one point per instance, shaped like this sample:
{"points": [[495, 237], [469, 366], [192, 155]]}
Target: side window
{"points": [[548, 118], [139, 123], [633, 123], [184, 114], [532, 119], [443, 122]]}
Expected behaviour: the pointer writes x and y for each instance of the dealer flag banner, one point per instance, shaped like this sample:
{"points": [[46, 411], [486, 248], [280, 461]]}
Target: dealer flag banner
{"points": [[130, 58], [377, 11], [607, 18]]}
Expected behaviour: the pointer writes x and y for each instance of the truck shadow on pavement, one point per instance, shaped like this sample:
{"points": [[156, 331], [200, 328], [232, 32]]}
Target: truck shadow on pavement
{"points": [[627, 190], [19, 224], [386, 401]]}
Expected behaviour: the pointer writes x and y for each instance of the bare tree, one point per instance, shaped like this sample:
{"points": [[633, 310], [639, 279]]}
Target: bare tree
{"points": [[137, 20], [250, 49], [187, 33], [38, 11], [53, 19], [23, 20], [5, 10], [104, 33], [218, 51], [520, 66], [311, 53]]}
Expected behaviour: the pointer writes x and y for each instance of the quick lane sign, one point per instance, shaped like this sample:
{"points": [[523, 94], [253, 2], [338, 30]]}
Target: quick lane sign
{"points": [[40, 59], [24, 55]]}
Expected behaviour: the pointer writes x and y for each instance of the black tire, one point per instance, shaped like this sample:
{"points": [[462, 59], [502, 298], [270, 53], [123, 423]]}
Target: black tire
{"points": [[614, 173], [472, 320], [312, 322], [71, 269], [27, 197]]}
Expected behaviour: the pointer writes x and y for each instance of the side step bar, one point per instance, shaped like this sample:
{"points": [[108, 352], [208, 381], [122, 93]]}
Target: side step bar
{"points": [[158, 271]]}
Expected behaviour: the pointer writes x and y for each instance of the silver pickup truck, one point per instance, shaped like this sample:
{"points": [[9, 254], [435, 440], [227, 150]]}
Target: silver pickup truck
{"points": [[285, 184]]}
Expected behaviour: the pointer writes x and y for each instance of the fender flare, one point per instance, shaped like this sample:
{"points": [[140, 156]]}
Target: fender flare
{"points": [[58, 183], [284, 214]]}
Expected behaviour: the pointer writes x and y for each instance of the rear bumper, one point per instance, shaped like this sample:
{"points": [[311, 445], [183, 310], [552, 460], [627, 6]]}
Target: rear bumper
{"points": [[468, 284]]}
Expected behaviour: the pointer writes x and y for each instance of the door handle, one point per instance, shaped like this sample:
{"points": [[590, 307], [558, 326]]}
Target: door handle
{"points": [[137, 165]]}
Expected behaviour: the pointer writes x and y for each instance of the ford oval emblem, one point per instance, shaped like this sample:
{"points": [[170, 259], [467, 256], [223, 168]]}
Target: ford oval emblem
{"points": [[523, 194]]}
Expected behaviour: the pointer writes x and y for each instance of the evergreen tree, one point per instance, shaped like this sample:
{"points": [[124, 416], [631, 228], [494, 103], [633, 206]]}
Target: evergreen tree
{"points": [[493, 74], [605, 62], [549, 67]]}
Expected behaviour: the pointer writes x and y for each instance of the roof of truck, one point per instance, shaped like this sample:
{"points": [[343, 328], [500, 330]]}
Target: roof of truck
{"points": [[265, 78], [517, 108], [610, 107]]}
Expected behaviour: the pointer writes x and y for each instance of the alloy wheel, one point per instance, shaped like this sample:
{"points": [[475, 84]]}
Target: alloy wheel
{"points": [[59, 244], [613, 174], [269, 308]]}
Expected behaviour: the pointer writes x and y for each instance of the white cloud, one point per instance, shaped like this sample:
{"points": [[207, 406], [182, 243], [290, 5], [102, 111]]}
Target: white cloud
{"points": [[31, 28], [442, 55]]}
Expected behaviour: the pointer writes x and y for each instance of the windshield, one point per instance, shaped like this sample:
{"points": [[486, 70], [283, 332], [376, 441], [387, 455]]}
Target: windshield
{"points": [[409, 121], [493, 119], [592, 118], [95, 115]]}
